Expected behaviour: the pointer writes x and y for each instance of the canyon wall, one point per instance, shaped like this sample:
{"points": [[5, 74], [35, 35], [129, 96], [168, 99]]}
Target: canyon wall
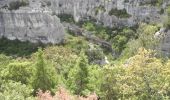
{"points": [[37, 21], [27, 24], [139, 10]]}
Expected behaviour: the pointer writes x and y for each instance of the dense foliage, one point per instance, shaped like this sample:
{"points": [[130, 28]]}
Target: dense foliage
{"points": [[137, 73]]}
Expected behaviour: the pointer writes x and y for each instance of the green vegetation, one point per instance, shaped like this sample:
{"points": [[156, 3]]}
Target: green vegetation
{"points": [[66, 18], [119, 13], [14, 5], [15, 91], [17, 48], [45, 75], [78, 76], [118, 37], [136, 72], [126, 1], [99, 30], [145, 39], [161, 11], [152, 2], [167, 21], [18, 72], [139, 77]]}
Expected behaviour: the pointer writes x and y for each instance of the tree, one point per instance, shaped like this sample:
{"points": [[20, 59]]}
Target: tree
{"points": [[110, 87], [145, 77], [4, 61], [95, 79], [18, 71], [45, 75], [15, 91], [145, 39], [63, 58], [78, 76], [119, 42]]}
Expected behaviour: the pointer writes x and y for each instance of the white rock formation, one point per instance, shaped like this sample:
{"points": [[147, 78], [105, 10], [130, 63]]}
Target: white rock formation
{"points": [[30, 24]]}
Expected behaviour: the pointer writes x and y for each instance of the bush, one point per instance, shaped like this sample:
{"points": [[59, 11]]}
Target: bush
{"points": [[17, 71], [14, 5], [94, 55], [119, 43], [15, 91], [17, 48], [152, 2], [66, 18], [167, 20], [119, 13], [99, 30], [89, 26]]}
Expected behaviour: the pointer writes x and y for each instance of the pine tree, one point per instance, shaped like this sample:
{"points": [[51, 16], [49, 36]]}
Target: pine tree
{"points": [[78, 76], [45, 75]]}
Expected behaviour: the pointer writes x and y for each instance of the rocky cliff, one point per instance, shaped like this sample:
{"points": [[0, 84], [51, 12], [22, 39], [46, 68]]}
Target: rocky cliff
{"points": [[26, 24], [35, 20], [107, 11]]}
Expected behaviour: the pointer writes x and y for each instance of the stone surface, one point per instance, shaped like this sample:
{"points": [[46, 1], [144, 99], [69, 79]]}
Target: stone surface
{"points": [[85, 8], [34, 27], [27, 24]]}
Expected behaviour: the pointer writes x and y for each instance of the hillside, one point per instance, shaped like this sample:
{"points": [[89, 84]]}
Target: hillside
{"points": [[84, 49]]}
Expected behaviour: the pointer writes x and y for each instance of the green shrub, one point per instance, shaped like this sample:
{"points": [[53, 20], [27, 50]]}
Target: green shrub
{"points": [[95, 54], [18, 72], [152, 2], [89, 26], [99, 30], [17, 48], [161, 11], [119, 43], [145, 39], [66, 18], [14, 5], [167, 20], [15, 91], [126, 1], [119, 13]]}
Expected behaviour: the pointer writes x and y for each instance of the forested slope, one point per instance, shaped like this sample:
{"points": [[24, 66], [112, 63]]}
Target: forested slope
{"points": [[93, 60]]}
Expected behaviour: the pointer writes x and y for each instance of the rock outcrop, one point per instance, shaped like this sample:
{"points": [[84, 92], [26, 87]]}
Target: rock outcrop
{"points": [[165, 43], [27, 24], [139, 10], [34, 27]]}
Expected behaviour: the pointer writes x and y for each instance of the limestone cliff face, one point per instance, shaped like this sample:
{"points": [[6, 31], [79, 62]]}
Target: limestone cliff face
{"points": [[33, 27], [99, 9], [26, 24]]}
